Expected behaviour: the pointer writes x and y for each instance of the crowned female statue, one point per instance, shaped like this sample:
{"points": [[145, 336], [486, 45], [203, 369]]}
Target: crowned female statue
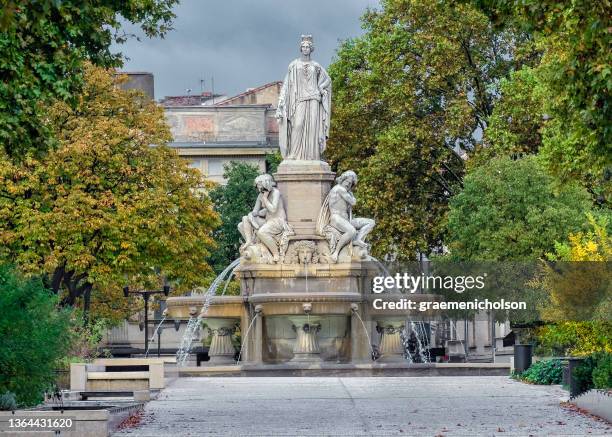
{"points": [[304, 107]]}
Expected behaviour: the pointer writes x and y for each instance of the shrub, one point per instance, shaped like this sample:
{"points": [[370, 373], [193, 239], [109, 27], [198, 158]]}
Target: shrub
{"points": [[602, 374], [35, 336], [85, 342], [575, 338], [594, 372], [8, 401], [544, 372]]}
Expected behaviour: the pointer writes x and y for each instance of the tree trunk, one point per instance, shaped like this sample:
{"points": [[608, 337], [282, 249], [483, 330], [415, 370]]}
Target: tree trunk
{"points": [[86, 302], [56, 280]]}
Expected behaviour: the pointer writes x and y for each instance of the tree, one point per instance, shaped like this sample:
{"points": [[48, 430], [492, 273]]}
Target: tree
{"points": [[511, 210], [578, 304], [410, 97], [35, 336], [574, 39], [43, 47], [515, 126], [232, 201], [106, 204]]}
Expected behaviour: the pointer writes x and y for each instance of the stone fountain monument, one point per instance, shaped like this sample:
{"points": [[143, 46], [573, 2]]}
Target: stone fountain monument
{"points": [[305, 268]]}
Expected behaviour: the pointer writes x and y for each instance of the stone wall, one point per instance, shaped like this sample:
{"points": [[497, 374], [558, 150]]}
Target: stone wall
{"points": [[218, 124]]}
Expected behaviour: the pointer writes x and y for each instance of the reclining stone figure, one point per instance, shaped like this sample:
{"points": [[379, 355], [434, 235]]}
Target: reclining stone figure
{"points": [[336, 221]]}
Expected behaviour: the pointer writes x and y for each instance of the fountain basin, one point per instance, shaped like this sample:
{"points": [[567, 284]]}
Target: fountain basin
{"points": [[323, 303], [182, 307], [221, 349], [390, 347], [281, 333], [333, 369], [306, 347]]}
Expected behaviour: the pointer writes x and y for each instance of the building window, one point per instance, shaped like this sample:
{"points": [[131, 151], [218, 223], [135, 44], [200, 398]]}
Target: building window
{"points": [[200, 164]]}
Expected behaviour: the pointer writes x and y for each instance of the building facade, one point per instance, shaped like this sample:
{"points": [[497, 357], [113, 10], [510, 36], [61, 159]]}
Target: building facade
{"points": [[240, 128]]}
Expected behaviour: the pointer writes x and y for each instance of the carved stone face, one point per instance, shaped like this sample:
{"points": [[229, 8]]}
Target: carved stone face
{"points": [[304, 255], [264, 182], [306, 48], [348, 183]]}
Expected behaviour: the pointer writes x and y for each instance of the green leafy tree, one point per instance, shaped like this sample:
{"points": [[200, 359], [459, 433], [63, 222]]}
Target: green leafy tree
{"points": [[410, 96], [574, 79], [35, 336], [106, 204], [580, 32], [232, 201], [43, 47], [515, 126], [272, 162], [602, 374], [511, 210]]}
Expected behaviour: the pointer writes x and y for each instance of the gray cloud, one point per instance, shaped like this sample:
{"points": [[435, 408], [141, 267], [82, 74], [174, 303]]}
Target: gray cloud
{"points": [[242, 43]]}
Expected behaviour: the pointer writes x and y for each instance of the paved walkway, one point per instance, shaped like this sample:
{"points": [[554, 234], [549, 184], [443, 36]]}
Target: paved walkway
{"points": [[431, 406]]}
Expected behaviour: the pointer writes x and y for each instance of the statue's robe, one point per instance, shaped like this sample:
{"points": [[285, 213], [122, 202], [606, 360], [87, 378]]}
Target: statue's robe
{"points": [[304, 109]]}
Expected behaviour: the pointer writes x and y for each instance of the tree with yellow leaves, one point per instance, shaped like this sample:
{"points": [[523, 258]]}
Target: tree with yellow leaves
{"points": [[111, 203], [579, 283], [579, 286]]}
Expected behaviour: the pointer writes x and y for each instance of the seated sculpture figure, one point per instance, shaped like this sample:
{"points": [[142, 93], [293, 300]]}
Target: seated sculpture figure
{"points": [[267, 222], [336, 221]]}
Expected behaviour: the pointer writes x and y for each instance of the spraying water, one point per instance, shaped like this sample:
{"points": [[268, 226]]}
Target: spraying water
{"points": [[405, 337], [423, 345], [381, 266], [154, 334], [193, 327], [416, 344], [246, 336], [306, 270], [453, 327], [366, 333], [221, 277], [195, 322]]}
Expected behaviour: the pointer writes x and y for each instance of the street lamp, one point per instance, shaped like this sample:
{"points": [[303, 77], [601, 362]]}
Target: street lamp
{"points": [[145, 296]]}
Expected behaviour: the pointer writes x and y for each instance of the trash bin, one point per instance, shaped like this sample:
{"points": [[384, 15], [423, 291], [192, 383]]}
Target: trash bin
{"points": [[522, 357], [573, 362]]}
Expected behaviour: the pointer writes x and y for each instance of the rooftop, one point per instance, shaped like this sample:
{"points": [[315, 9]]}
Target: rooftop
{"points": [[241, 97], [206, 98]]}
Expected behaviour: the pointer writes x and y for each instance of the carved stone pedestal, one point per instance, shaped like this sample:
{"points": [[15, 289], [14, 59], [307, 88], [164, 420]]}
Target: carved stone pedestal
{"points": [[306, 344], [390, 347], [221, 349], [304, 186]]}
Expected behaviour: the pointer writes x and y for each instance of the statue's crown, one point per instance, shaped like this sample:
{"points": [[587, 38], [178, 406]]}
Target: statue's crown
{"points": [[307, 38]]}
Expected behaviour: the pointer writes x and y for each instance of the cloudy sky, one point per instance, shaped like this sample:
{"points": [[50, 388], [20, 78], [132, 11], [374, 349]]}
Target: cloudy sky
{"points": [[242, 43]]}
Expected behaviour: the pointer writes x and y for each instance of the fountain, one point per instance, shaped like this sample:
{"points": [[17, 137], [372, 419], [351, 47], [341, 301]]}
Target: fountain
{"points": [[161, 322], [305, 268]]}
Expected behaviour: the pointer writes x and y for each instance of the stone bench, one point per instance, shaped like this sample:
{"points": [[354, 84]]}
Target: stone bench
{"points": [[114, 374]]}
